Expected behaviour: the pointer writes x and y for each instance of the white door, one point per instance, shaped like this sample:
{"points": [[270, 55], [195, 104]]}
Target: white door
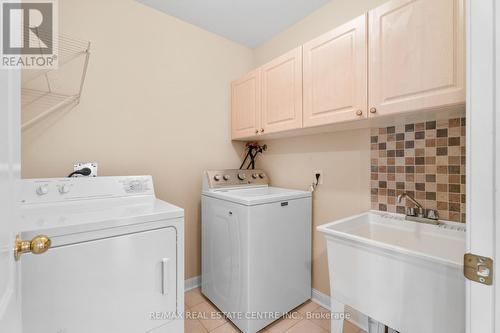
{"points": [[483, 159], [10, 298]]}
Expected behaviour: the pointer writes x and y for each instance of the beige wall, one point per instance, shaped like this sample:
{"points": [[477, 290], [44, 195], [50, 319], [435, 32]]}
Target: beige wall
{"points": [[156, 101], [344, 157]]}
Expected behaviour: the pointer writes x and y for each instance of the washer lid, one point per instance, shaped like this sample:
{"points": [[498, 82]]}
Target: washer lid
{"points": [[257, 195], [61, 219]]}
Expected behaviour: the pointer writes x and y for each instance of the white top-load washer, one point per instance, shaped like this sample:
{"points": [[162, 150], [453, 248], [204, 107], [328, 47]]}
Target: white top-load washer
{"points": [[256, 247], [116, 262]]}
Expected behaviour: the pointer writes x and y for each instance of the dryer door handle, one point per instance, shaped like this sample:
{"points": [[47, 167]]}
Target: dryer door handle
{"points": [[165, 264]]}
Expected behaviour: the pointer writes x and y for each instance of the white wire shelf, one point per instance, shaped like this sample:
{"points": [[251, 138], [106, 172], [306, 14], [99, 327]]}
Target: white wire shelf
{"points": [[37, 104], [46, 91]]}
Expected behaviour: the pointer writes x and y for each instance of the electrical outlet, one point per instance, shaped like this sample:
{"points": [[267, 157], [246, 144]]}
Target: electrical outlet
{"points": [[91, 165], [321, 176]]}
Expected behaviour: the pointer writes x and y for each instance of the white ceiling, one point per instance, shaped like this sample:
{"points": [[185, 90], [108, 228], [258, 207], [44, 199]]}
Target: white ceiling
{"points": [[248, 22]]}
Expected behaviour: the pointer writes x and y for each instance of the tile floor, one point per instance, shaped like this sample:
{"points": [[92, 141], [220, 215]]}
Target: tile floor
{"points": [[198, 309]]}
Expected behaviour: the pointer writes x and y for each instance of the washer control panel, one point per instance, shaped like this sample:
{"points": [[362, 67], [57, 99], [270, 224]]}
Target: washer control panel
{"points": [[235, 178]]}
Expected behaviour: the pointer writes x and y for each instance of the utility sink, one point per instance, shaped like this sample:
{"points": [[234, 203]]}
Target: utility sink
{"points": [[406, 275]]}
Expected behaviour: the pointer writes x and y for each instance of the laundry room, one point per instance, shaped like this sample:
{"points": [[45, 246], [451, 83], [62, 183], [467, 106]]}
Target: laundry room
{"points": [[251, 166]]}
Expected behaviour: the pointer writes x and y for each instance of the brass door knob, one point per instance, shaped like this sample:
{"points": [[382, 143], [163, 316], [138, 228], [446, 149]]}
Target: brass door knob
{"points": [[373, 110], [359, 113], [38, 245], [262, 130]]}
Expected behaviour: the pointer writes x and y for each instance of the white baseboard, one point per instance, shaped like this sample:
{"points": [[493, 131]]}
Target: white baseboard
{"points": [[317, 296], [192, 283], [320, 298], [357, 318]]}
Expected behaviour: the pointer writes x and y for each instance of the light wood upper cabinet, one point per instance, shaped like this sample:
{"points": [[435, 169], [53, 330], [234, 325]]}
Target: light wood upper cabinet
{"points": [[282, 92], [246, 105], [404, 56], [416, 55], [335, 75]]}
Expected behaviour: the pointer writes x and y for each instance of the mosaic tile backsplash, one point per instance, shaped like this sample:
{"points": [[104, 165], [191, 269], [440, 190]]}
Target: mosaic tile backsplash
{"points": [[426, 160]]}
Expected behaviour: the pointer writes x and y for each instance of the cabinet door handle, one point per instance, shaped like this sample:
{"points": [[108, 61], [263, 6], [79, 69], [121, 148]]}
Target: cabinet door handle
{"points": [[373, 110], [262, 130], [359, 113], [165, 263], [256, 131]]}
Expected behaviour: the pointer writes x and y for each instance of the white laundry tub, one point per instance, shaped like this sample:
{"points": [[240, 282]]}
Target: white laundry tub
{"points": [[406, 275]]}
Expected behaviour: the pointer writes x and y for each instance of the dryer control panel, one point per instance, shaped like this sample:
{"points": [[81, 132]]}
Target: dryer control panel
{"points": [[80, 188], [234, 178]]}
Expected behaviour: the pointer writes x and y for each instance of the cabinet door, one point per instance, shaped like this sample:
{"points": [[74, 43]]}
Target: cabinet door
{"points": [[416, 55], [282, 93], [246, 105], [335, 75]]}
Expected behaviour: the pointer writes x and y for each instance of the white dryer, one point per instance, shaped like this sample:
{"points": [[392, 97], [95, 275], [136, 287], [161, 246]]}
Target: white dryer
{"points": [[256, 247], [116, 263]]}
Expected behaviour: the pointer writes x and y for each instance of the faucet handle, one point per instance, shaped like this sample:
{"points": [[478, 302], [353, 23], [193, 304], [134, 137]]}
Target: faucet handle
{"points": [[432, 214], [420, 212], [410, 211]]}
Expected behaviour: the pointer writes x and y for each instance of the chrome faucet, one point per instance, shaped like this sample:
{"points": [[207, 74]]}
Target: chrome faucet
{"points": [[420, 209], [419, 214]]}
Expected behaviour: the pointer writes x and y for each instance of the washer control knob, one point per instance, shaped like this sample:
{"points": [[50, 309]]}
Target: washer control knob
{"points": [[63, 189], [226, 177], [255, 175], [42, 189], [242, 176], [262, 176], [217, 178]]}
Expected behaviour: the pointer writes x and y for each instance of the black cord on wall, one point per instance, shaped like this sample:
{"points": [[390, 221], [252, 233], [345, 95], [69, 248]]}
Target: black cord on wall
{"points": [[83, 172]]}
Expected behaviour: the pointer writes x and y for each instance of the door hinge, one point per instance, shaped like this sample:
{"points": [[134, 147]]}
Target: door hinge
{"points": [[478, 268]]}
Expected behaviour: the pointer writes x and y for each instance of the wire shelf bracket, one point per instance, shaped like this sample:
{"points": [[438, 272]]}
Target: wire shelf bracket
{"points": [[46, 91]]}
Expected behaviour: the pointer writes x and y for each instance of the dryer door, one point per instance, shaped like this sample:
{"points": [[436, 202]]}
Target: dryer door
{"points": [[109, 285]]}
